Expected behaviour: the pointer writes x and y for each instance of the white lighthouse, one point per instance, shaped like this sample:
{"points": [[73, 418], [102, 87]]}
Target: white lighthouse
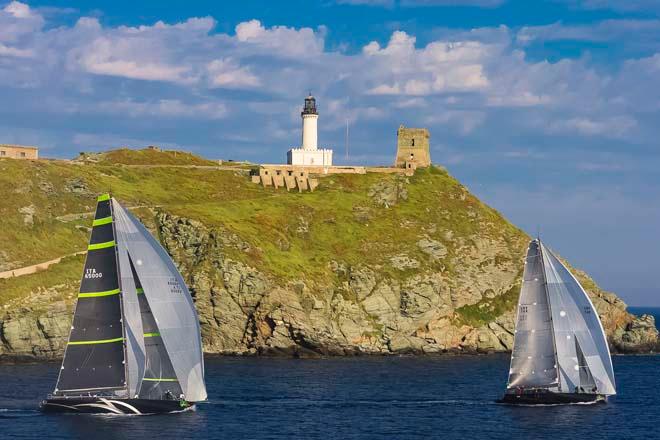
{"points": [[309, 154]]}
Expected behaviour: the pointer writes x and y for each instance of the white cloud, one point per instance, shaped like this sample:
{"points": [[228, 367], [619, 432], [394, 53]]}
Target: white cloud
{"points": [[171, 108], [385, 3], [228, 73], [465, 122], [15, 52], [18, 21], [607, 30], [284, 41], [613, 127]]}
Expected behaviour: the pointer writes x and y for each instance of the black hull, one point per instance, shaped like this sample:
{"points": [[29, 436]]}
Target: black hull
{"points": [[109, 405], [549, 398]]}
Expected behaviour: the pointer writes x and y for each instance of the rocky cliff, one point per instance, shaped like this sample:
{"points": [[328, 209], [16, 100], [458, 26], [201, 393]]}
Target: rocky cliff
{"points": [[374, 264]]}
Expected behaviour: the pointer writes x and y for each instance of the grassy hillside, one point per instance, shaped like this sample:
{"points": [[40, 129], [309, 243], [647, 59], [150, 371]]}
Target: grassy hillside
{"points": [[292, 233], [372, 263], [146, 156]]}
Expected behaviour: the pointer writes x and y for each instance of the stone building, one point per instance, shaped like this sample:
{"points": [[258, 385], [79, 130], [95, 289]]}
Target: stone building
{"points": [[412, 148], [309, 154], [18, 152]]}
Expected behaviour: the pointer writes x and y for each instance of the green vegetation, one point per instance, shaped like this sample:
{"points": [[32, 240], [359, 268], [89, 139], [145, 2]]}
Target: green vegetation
{"points": [[147, 156], [292, 235], [488, 309]]}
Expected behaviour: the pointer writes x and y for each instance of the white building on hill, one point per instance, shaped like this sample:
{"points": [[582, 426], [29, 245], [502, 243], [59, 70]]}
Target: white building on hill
{"points": [[309, 154]]}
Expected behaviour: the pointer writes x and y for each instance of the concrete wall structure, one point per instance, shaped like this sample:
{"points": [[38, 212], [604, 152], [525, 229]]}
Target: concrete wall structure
{"points": [[317, 157], [290, 177], [412, 146], [293, 176], [18, 152]]}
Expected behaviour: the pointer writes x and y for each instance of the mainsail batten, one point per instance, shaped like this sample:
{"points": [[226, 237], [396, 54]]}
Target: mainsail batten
{"points": [[533, 363], [94, 356]]}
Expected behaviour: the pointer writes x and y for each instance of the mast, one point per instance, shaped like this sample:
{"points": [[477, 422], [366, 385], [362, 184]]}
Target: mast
{"points": [[552, 325], [121, 302]]}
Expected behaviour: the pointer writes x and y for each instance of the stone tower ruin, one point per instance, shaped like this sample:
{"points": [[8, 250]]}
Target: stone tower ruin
{"points": [[412, 147]]}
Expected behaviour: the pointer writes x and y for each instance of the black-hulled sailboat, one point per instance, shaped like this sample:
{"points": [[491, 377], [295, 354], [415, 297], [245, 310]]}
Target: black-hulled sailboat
{"points": [[135, 345], [560, 353]]}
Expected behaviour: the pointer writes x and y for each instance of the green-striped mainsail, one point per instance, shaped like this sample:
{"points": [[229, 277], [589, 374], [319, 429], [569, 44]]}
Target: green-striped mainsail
{"points": [[94, 356]]}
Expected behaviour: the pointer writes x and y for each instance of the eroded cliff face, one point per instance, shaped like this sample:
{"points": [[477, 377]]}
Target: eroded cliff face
{"points": [[365, 265], [363, 310]]}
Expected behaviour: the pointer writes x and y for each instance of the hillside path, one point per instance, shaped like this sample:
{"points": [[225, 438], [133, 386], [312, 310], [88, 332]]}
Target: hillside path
{"points": [[28, 270]]}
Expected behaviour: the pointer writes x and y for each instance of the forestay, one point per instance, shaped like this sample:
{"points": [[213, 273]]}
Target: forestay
{"points": [[533, 358], [170, 303], [577, 328]]}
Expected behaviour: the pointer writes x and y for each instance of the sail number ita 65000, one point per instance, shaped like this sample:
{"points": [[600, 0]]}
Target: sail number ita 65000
{"points": [[91, 273]]}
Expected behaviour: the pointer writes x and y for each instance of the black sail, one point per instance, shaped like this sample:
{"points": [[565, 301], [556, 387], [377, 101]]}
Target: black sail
{"points": [[94, 356], [160, 379]]}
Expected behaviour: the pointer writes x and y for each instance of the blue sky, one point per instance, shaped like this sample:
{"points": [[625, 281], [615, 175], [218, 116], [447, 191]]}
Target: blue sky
{"points": [[548, 110]]}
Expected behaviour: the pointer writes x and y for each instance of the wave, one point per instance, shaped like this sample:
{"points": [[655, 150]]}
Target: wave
{"points": [[12, 413], [362, 402]]}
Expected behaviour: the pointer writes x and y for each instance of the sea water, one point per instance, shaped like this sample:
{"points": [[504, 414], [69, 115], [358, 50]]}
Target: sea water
{"points": [[445, 397]]}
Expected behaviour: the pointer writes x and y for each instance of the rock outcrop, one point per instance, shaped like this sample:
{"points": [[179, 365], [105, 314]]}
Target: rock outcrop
{"points": [[362, 311], [421, 266]]}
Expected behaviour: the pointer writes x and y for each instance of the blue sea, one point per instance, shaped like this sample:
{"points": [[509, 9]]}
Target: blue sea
{"points": [[445, 397], [653, 311]]}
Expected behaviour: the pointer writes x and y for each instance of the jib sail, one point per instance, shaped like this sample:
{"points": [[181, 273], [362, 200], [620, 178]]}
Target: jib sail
{"points": [[171, 305]]}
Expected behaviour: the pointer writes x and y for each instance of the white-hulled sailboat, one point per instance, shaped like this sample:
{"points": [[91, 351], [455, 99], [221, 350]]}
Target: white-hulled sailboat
{"points": [[134, 345], [560, 353]]}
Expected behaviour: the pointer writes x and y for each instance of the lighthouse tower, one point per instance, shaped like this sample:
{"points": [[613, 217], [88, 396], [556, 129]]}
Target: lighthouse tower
{"points": [[309, 154]]}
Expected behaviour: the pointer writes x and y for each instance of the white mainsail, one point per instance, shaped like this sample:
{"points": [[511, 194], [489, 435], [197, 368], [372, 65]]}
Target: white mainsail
{"points": [[579, 334], [559, 341], [533, 358], [169, 300]]}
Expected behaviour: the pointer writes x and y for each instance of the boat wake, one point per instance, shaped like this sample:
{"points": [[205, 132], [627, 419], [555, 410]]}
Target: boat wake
{"points": [[593, 402], [13, 413]]}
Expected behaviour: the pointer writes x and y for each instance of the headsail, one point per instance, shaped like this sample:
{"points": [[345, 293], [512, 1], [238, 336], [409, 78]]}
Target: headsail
{"points": [[159, 377], [135, 349], [577, 328], [533, 359], [169, 301], [94, 356]]}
